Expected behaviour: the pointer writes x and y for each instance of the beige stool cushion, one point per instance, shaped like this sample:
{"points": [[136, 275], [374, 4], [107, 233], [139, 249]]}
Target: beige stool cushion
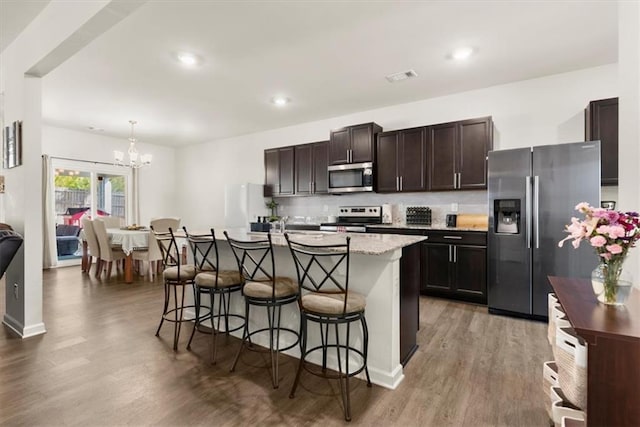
{"points": [[187, 272], [324, 303], [285, 286], [226, 278]]}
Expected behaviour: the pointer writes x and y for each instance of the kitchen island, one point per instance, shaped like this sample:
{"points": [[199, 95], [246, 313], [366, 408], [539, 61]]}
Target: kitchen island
{"points": [[383, 267]]}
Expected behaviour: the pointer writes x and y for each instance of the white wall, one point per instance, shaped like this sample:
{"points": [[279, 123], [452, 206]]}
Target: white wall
{"points": [[157, 181], [546, 110]]}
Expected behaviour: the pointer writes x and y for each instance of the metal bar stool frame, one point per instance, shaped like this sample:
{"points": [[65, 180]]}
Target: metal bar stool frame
{"points": [[251, 257], [308, 258], [171, 259], [204, 248]]}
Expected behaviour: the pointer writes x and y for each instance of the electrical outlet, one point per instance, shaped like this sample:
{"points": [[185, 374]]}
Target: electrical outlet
{"points": [[15, 290], [454, 207]]}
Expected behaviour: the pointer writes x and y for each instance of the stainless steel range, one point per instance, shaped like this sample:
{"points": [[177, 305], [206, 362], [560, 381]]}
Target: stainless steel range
{"points": [[354, 219]]}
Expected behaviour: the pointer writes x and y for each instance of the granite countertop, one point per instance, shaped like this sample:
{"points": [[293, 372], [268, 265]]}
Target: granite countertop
{"points": [[361, 243], [431, 227]]}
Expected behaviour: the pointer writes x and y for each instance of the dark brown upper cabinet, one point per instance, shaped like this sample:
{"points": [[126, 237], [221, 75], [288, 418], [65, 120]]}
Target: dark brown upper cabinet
{"points": [[311, 161], [279, 171], [457, 154], [601, 123], [353, 144], [401, 161]]}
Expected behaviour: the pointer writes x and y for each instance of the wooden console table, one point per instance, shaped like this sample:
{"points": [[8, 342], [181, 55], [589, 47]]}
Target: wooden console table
{"points": [[613, 338]]}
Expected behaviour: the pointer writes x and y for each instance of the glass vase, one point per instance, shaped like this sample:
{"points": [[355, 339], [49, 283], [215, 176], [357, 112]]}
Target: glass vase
{"points": [[611, 284]]}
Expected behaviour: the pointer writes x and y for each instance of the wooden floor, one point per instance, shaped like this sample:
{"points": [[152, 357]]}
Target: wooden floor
{"points": [[100, 364]]}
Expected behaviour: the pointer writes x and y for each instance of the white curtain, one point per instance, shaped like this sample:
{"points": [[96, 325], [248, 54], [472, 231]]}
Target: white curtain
{"points": [[50, 256]]}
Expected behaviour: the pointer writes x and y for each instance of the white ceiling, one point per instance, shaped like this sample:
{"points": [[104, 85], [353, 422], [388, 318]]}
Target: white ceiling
{"points": [[330, 58], [15, 15]]}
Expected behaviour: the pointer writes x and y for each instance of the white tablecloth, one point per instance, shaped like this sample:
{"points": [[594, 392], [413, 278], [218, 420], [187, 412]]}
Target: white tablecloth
{"points": [[130, 240]]}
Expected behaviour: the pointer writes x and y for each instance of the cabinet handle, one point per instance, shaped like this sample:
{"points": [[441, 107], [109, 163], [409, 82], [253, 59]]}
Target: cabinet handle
{"points": [[453, 237], [449, 253], [310, 187], [459, 180], [397, 184], [455, 254], [401, 183], [455, 180]]}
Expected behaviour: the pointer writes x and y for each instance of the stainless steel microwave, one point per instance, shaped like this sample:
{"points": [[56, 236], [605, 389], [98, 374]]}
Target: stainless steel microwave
{"points": [[351, 178]]}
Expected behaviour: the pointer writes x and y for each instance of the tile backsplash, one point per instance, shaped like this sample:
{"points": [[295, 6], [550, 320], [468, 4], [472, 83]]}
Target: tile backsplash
{"points": [[317, 208]]}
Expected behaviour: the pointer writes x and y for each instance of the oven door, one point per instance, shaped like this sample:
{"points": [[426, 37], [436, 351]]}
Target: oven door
{"points": [[351, 178]]}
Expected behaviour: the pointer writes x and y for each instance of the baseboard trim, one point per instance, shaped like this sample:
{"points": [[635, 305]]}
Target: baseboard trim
{"points": [[23, 331]]}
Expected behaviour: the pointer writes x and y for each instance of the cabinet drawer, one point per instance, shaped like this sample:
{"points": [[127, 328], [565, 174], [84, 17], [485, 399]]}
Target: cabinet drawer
{"points": [[457, 237]]}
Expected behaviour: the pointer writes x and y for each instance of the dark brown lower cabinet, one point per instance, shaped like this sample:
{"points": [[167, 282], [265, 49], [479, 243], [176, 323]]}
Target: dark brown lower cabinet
{"points": [[454, 270]]}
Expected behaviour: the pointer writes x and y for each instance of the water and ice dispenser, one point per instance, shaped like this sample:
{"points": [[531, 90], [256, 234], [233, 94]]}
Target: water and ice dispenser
{"points": [[507, 216]]}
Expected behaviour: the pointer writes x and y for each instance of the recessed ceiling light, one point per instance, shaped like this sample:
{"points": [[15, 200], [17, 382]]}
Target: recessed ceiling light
{"points": [[189, 59], [280, 101], [462, 53]]}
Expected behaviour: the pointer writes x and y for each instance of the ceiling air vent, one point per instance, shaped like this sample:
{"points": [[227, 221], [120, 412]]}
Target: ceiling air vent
{"points": [[396, 77]]}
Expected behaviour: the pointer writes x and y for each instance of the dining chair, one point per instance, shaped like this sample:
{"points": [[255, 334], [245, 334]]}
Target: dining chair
{"points": [[218, 284], [262, 288], [111, 221], [92, 245], [108, 254], [326, 300]]}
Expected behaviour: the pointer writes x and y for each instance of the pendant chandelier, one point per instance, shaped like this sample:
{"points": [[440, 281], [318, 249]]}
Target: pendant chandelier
{"points": [[135, 159]]}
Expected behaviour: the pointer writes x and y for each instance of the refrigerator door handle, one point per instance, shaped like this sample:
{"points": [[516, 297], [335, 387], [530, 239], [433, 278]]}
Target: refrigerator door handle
{"points": [[536, 196], [527, 201]]}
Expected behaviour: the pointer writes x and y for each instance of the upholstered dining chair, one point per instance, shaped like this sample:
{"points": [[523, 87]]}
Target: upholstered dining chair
{"points": [[107, 254], [92, 244], [110, 221]]}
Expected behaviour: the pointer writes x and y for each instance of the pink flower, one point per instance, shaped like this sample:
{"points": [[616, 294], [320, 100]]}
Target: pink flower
{"points": [[614, 249], [603, 229], [599, 213], [612, 216], [598, 241], [583, 207], [616, 231], [606, 256]]}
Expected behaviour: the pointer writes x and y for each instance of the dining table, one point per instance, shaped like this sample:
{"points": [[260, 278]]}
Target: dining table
{"points": [[129, 241]]}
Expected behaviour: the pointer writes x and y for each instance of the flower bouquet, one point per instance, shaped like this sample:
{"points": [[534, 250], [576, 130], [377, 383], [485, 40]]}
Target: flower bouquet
{"points": [[611, 233]]}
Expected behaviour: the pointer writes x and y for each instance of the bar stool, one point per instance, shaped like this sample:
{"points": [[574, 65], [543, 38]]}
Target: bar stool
{"points": [[214, 282], [328, 301], [262, 288], [175, 276]]}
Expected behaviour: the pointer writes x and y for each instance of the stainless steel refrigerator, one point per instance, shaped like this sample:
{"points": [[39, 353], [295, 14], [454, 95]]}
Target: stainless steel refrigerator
{"points": [[532, 195]]}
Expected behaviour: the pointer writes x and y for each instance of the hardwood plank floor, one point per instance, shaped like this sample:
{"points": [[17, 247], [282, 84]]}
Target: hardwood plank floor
{"points": [[100, 364]]}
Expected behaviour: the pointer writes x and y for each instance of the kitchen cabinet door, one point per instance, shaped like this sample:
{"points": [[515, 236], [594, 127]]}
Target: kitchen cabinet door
{"points": [[470, 265], [436, 274], [412, 160], [304, 169], [474, 143], [387, 164], [339, 146], [362, 143], [320, 163], [286, 159], [601, 123], [271, 172], [442, 156]]}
